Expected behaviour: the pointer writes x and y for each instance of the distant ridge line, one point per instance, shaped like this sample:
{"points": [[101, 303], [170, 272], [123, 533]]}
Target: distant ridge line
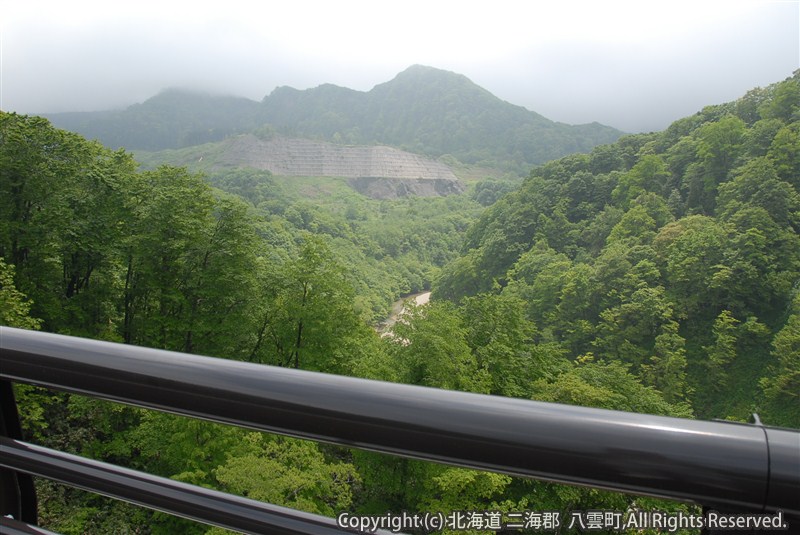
{"points": [[423, 110]]}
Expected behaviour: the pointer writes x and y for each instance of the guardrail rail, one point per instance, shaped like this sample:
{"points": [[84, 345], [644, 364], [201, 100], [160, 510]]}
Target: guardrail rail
{"points": [[720, 465]]}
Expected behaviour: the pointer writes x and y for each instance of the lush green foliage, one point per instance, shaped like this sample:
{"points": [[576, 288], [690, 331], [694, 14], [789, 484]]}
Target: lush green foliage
{"points": [[14, 305], [658, 274], [161, 259], [675, 253], [389, 247]]}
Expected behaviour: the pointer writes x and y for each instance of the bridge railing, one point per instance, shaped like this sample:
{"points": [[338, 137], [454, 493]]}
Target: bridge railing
{"points": [[719, 465]]}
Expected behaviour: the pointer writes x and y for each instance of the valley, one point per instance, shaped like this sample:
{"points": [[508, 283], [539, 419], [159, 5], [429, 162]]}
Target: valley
{"points": [[654, 273]]}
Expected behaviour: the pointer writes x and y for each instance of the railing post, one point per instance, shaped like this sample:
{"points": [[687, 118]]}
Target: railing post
{"points": [[17, 493]]}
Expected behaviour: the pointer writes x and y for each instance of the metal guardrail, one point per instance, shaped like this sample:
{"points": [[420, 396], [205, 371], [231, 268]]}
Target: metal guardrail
{"points": [[9, 526], [167, 495], [720, 465]]}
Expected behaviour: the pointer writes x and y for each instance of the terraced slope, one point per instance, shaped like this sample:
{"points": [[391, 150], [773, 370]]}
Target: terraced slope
{"points": [[376, 171], [302, 157]]}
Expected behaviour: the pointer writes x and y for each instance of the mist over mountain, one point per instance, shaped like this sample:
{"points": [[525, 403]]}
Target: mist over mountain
{"points": [[174, 118], [423, 110]]}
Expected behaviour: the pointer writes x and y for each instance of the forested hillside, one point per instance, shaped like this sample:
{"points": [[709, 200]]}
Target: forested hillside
{"points": [[675, 254], [174, 118], [423, 110], [658, 274], [431, 112]]}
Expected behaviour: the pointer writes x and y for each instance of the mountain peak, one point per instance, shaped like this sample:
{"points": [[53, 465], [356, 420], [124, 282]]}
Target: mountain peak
{"points": [[417, 69], [424, 72], [423, 109]]}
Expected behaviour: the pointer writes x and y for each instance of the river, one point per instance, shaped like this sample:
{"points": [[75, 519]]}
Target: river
{"points": [[399, 308]]}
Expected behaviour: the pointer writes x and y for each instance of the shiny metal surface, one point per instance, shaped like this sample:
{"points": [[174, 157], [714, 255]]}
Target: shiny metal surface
{"points": [[784, 473], [717, 464], [17, 491], [189, 501], [9, 526]]}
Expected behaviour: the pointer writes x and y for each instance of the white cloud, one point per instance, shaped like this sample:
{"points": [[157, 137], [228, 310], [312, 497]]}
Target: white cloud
{"points": [[574, 61]]}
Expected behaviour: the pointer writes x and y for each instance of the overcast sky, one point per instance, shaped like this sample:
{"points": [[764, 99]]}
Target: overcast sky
{"points": [[636, 65]]}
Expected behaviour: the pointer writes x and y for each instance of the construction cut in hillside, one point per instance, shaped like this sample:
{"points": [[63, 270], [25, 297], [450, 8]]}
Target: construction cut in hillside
{"points": [[376, 171]]}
